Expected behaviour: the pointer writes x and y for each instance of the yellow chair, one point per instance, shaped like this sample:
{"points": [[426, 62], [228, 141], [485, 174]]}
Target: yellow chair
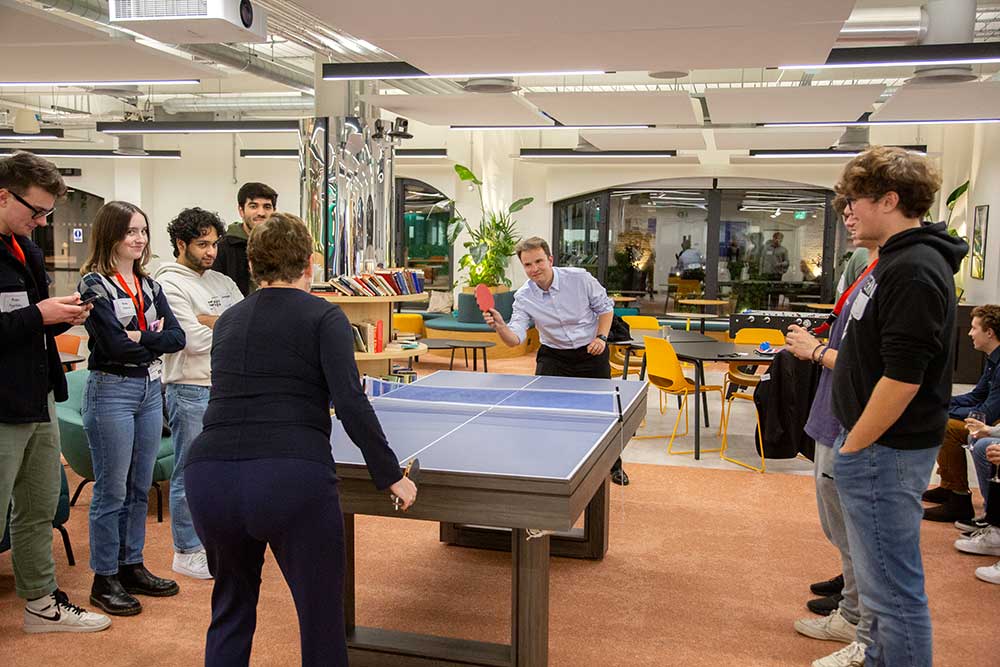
{"points": [[745, 381], [408, 322], [663, 370], [617, 360], [641, 322]]}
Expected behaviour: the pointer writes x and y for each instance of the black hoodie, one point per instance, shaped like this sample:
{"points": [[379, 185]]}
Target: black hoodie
{"points": [[902, 327]]}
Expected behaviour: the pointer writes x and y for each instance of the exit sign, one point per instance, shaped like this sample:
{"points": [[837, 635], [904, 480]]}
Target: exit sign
{"points": [[800, 215]]}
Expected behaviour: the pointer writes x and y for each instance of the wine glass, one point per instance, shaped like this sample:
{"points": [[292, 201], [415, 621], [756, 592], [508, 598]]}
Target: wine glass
{"points": [[979, 416]]}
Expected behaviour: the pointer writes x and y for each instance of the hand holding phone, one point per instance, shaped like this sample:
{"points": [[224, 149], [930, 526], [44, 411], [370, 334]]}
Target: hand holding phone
{"points": [[90, 299]]}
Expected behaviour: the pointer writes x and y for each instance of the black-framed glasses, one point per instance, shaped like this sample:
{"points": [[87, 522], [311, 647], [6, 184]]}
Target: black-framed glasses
{"points": [[36, 212]]}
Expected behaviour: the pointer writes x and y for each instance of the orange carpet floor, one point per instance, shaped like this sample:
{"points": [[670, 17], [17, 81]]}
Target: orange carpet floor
{"points": [[706, 567]]}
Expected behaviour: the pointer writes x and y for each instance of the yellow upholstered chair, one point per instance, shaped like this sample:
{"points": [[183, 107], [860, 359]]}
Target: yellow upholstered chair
{"points": [[739, 384], [663, 370], [408, 322], [641, 322]]}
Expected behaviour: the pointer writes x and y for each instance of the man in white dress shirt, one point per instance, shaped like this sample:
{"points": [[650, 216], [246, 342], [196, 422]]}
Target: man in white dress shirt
{"points": [[572, 312]]}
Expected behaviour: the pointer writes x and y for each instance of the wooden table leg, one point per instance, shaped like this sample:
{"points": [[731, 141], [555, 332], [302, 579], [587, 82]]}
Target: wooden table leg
{"points": [[529, 600], [349, 592]]}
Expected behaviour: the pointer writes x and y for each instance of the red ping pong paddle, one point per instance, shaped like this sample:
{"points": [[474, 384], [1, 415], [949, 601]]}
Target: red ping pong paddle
{"points": [[484, 298]]}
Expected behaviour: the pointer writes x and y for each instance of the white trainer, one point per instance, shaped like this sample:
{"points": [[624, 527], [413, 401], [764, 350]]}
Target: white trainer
{"points": [[194, 565], [852, 655], [990, 573], [831, 628], [985, 542], [54, 613]]}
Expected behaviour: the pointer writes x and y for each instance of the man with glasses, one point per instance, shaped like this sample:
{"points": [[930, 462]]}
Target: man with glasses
{"points": [[891, 386], [33, 381]]}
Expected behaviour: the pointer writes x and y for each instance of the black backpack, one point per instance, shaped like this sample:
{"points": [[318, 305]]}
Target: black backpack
{"points": [[620, 331]]}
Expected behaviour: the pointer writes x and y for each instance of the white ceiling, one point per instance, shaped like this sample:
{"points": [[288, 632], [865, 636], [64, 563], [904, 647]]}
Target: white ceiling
{"points": [[463, 109], [738, 139], [38, 46], [645, 140], [532, 36], [942, 102], [667, 108], [802, 103]]}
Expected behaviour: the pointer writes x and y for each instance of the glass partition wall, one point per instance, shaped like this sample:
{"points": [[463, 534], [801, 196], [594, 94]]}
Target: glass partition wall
{"points": [[422, 215], [761, 249]]}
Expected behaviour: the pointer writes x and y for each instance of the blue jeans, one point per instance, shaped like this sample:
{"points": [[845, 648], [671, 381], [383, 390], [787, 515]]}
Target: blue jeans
{"points": [[880, 491], [186, 404], [123, 419], [984, 469]]}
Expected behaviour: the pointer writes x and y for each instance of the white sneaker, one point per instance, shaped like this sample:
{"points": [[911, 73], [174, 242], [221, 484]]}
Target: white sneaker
{"points": [[852, 655], [194, 565], [990, 573], [832, 628], [985, 542], [54, 613]]}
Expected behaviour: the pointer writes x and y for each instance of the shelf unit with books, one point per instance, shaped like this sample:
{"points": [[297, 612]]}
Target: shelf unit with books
{"points": [[374, 308]]}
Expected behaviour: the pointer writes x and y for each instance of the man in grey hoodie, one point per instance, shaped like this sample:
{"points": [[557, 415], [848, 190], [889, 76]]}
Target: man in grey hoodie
{"points": [[255, 202], [198, 296]]}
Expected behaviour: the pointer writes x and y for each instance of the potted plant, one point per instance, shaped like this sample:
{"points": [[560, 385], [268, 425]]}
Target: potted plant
{"points": [[491, 242]]}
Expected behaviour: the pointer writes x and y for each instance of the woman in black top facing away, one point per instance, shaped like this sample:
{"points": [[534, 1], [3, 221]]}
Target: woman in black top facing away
{"points": [[130, 328], [262, 471]]}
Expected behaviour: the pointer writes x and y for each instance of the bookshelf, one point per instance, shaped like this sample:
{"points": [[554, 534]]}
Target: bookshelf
{"points": [[374, 308]]}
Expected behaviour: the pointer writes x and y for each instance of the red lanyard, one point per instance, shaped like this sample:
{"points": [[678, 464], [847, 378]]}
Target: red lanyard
{"points": [[15, 248], [843, 299], [136, 299]]}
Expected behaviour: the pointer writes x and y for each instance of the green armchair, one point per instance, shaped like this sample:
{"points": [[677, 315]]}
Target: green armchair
{"points": [[61, 517], [76, 450]]}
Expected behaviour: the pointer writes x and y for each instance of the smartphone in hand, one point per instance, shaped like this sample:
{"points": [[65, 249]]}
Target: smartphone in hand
{"points": [[90, 299], [157, 325]]}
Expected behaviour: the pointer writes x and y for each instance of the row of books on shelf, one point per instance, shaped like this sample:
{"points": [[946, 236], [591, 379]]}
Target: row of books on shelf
{"points": [[368, 336], [383, 282]]}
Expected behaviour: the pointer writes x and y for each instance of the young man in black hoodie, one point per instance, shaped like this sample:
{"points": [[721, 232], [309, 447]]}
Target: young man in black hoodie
{"points": [[256, 203], [891, 388]]}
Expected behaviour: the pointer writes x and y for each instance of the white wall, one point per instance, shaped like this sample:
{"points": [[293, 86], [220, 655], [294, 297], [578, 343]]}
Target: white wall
{"points": [[984, 189]]}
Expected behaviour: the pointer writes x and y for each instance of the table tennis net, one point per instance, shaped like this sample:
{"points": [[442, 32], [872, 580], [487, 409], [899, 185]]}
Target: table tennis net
{"points": [[603, 403]]}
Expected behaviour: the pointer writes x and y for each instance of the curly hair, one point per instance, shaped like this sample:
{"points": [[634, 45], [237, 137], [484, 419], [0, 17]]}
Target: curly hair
{"points": [[883, 169], [839, 204], [193, 223], [279, 249], [989, 318]]}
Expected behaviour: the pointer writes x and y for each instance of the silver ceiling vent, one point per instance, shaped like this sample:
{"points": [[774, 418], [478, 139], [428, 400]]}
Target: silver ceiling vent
{"points": [[948, 22], [855, 138], [490, 85], [130, 144], [669, 74]]}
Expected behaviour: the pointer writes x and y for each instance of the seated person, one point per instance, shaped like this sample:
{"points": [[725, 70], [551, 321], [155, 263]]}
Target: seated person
{"points": [[952, 496], [985, 541], [986, 436]]}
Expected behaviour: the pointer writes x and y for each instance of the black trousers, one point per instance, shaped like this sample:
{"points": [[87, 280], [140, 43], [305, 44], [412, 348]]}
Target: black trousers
{"points": [[292, 505], [576, 363]]}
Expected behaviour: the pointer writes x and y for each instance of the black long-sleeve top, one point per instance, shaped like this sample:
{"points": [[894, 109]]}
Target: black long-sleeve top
{"points": [[111, 350], [279, 358], [29, 358]]}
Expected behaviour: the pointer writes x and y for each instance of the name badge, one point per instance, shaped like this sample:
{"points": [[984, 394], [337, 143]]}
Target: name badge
{"points": [[864, 296], [227, 301], [156, 370], [11, 301], [124, 310]]}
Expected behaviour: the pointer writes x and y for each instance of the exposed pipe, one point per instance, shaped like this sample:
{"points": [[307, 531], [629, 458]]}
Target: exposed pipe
{"points": [[884, 27], [948, 22], [175, 105]]}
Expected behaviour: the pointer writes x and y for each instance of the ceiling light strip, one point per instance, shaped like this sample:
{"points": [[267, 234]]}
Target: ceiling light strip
{"points": [[570, 153], [193, 127], [271, 153], [908, 56], [403, 70], [44, 134], [772, 153], [84, 153], [866, 123], [95, 84], [424, 153], [487, 128]]}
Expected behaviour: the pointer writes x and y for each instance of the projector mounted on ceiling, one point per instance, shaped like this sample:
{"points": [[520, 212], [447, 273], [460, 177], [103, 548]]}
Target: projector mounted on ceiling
{"points": [[203, 22]]}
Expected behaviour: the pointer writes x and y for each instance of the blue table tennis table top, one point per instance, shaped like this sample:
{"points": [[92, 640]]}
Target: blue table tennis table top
{"points": [[495, 428]]}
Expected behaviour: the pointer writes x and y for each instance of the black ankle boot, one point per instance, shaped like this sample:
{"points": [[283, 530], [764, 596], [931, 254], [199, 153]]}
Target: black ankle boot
{"points": [[108, 595], [138, 580], [958, 507]]}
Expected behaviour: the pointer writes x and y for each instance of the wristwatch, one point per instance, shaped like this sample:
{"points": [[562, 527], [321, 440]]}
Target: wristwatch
{"points": [[603, 337]]}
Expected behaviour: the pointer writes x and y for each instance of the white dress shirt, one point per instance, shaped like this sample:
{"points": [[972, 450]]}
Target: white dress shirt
{"points": [[566, 314]]}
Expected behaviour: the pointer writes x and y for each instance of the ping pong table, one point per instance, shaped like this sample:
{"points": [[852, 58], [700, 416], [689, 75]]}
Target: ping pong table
{"points": [[525, 453]]}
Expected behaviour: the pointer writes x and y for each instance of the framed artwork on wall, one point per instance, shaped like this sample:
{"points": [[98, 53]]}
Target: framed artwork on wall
{"points": [[977, 267]]}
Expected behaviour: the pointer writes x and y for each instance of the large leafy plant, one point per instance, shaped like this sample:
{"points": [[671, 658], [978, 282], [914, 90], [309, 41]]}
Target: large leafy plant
{"points": [[491, 243]]}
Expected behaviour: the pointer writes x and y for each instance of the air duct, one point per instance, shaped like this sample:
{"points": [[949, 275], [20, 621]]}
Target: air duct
{"points": [[26, 122], [246, 105], [948, 22], [131, 145], [855, 138], [895, 26], [490, 85], [584, 146]]}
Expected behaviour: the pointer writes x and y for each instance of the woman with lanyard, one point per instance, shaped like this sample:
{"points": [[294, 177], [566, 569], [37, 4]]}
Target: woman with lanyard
{"points": [[850, 622], [130, 327]]}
